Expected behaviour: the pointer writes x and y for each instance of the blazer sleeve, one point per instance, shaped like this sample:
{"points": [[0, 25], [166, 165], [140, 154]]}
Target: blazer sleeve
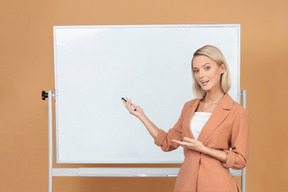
{"points": [[237, 158], [163, 139]]}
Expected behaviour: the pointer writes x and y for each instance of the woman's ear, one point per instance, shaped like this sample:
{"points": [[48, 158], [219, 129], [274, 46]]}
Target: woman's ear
{"points": [[223, 68]]}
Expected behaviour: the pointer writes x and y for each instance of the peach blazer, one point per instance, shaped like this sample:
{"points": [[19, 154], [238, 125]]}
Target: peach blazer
{"points": [[228, 126]]}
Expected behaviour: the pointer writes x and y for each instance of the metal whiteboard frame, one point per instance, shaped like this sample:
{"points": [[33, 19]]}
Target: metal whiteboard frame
{"points": [[238, 26], [118, 171]]}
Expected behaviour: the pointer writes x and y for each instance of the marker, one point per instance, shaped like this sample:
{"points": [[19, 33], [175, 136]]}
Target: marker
{"points": [[125, 101]]}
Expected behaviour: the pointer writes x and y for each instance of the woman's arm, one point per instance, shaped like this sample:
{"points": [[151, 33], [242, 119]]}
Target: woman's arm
{"points": [[161, 138], [139, 113], [152, 129], [238, 157], [217, 154]]}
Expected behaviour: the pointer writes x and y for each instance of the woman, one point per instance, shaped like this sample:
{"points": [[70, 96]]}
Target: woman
{"points": [[207, 127]]}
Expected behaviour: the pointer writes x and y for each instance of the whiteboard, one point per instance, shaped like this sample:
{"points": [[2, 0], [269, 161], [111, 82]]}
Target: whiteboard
{"points": [[95, 66]]}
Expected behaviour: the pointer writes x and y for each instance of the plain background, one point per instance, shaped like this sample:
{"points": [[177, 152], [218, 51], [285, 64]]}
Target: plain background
{"points": [[27, 68]]}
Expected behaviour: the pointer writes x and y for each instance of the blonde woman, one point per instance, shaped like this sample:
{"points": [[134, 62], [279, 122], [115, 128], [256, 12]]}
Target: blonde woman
{"points": [[207, 127]]}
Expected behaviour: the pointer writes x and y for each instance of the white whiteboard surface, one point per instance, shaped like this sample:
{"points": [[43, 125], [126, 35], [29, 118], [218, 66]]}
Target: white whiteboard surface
{"points": [[95, 66]]}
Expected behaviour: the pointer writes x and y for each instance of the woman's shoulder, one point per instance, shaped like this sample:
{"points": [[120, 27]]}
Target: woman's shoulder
{"points": [[191, 102], [238, 108]]}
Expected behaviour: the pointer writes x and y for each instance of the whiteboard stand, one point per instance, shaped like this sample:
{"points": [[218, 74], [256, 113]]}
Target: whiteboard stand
{"points": [[243, 171], [118, 171]]}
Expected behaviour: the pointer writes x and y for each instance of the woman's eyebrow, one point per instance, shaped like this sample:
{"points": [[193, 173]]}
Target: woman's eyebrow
{"points": [[202, 65]]}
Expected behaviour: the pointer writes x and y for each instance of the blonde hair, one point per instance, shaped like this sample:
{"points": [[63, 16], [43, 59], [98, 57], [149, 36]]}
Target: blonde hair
{"points": [[216, 55]]}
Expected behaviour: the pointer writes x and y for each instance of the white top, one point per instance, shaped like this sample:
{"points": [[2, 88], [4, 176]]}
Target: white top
{"points": [[198, 121]]}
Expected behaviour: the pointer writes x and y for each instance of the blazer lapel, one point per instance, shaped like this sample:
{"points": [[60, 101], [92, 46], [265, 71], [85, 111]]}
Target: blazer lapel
{"points": [[217, 117]]}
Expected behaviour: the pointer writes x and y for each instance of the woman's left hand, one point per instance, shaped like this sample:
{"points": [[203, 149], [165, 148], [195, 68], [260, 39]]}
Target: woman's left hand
{"points": [[191, 144]]}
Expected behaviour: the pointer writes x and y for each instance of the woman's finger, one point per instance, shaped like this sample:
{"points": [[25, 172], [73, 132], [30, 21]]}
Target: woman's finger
{"points": [[188, 139], [127, 103], [178, 142], [124, 102], [133, 105], [130, 105]]}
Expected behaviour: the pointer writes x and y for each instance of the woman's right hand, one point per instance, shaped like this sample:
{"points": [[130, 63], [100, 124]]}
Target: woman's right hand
{"points": [[139, 111]]}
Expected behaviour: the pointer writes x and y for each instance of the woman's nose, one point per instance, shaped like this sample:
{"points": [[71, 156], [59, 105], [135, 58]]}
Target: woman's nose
{"points": [[201, 73]]}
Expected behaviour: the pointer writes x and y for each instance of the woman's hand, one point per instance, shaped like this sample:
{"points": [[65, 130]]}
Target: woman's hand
{"points": [[139, 112], [192, 144]]}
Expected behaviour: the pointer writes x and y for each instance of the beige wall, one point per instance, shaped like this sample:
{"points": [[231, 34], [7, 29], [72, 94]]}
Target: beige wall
{"points": [[26, 61]]}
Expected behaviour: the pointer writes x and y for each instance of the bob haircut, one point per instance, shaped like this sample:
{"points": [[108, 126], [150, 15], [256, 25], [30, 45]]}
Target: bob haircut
{"points": [[216, 55]]}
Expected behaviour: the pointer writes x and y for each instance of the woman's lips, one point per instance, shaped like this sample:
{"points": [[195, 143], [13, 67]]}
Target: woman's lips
{"points": [[206, 82]]}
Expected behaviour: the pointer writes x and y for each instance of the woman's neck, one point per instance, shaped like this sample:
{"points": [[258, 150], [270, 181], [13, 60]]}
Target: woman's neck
{"points": [[213, 98]]}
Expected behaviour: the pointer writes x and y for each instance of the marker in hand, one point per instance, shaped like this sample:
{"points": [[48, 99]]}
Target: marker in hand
{"points": [[125, 101]]}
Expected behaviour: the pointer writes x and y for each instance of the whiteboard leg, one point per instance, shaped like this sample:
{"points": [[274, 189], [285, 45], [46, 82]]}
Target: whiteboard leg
{"points": [[243, 180], [243, 177], [50, 129]]}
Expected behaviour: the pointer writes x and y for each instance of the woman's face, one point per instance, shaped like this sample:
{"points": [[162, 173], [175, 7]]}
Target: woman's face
{"points": [[206, 69]]}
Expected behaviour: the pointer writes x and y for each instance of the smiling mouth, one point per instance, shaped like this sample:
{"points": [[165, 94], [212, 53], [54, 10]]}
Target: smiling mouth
{"points": [[204, 82]]}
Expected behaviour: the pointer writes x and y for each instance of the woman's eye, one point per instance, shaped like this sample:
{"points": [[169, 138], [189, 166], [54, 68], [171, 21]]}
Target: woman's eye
{"points": [[196, 71]]}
